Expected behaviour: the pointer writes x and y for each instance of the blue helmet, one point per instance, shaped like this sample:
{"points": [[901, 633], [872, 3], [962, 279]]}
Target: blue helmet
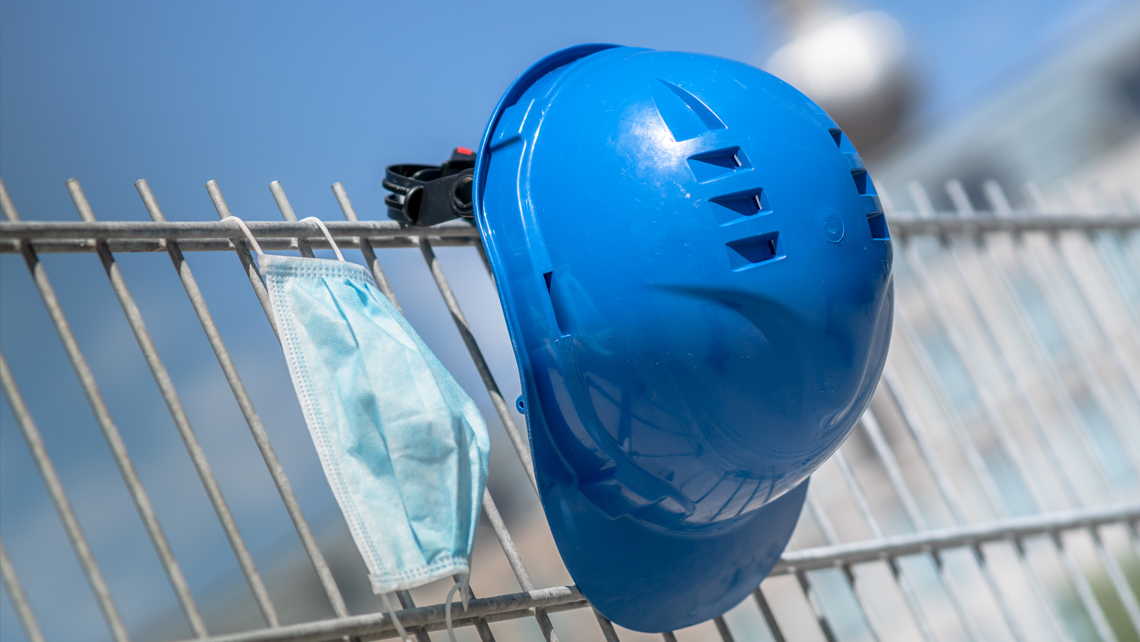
{"points": [[696, 275]]}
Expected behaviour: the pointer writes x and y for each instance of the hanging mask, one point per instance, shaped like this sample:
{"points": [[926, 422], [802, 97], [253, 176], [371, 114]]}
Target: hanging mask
{"points": [[404, 448]]}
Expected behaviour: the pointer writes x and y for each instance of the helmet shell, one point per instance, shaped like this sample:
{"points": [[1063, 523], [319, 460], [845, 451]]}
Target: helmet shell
{"points": [[696, 275]]}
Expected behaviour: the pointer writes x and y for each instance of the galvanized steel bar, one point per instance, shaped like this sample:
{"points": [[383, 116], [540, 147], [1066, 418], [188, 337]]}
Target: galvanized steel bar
{"points": [[1057, 463], [489, 509], [906, 498], [1079, 301], [812, 598], [289, 215], [796, 562], [482, 627], [522, 448], [18, 598], [993, 414], [1090, 376], [901, 227], [831, 537], [184, 230], [1053, 381], [516, 563], [918, 433], [404, 596], [722, 629], [112, 436], [994, 417], [245, 404], [1037, 421], [366, 245], [769, 616], [1089, 291], [864, 507], [1002, 530], [80, 246], [431, 617], [276, 471], [59, 499], [608, 632], [177, 412], [328, 582], [243, 252]]}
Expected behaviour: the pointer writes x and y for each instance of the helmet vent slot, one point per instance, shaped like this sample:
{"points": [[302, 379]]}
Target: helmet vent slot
{"points": [[730, 208], [755, 250], [561, 316], [708, 166], [877, 221], [841, 140], [684, 114], [860, 178]]}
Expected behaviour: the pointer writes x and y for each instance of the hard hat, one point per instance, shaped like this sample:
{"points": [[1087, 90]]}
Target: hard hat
{"points": [[696, 276]]}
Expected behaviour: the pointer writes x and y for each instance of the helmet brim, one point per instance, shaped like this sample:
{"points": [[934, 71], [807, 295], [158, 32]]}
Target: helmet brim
{"points": [[652, 580]]}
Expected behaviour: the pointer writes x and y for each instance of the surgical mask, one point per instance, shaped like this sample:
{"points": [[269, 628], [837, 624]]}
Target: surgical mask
{"points": [[404, 448]]}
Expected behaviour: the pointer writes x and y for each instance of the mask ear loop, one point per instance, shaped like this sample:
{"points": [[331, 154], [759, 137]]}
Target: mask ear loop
{"points": [[248, 235], [392, 614], [321, 224], [465, 592]]}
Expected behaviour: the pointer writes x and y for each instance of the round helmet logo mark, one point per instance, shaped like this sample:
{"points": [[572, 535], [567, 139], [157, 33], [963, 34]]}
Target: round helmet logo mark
{"points": [[831, 226]]}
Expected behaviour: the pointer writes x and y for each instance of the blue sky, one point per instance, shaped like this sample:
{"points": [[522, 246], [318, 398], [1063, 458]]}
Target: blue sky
{"points": [[308, 94]]}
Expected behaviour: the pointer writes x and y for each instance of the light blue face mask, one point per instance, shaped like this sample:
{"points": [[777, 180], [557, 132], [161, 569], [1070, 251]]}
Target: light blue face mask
{"points": [[404, 448]]}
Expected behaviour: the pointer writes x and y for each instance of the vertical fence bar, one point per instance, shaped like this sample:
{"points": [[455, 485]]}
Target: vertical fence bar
{"points": [[288, 214], [769, 616], [1053, 380], [177, 412], [365, 245], [489, 508], [864, 507], [996, 421], [910, 506], [522, 448], [1089, 294], [18, 598], [918, 434], [59, 499], [306, 251], [111, 434], [1061, 470], [516, 563], [276, 471], [1089, 375], [1074, 298], [814, 605], [831, 538], [244, 256], [722, 629], [405, 597]]}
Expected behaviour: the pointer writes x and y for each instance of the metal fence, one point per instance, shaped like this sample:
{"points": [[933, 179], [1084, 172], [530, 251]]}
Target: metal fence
{"points": [[992, 490]]}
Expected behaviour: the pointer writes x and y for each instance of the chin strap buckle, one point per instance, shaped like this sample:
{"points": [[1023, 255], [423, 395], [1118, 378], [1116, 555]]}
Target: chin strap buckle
{"points": [[424, 195]]}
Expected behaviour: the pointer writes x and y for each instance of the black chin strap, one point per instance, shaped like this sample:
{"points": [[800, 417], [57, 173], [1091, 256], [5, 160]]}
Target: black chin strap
{"points": [[425, 195]]}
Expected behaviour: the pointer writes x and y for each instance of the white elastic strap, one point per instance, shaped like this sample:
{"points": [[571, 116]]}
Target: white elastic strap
{"points": [[321, 224], [245, 230], [464, 592], [395, 620]]}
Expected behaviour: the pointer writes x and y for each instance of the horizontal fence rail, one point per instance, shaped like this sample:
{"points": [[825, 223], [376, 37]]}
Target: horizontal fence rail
{"points": [[991, 491], [123, 236]]}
